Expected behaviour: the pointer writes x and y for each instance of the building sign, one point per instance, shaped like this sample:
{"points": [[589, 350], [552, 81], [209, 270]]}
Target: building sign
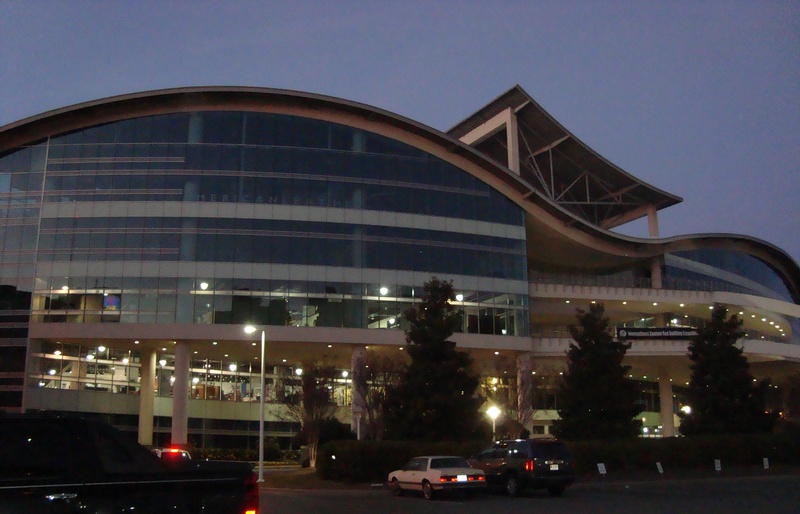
{"points": [[656, 333]]}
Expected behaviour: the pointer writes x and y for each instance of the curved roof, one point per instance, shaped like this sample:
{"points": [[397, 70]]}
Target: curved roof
{"points": [[563, 167], [571, 240]]}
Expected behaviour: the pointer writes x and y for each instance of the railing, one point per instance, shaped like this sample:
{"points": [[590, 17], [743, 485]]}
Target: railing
{"points": [[678, 284]]}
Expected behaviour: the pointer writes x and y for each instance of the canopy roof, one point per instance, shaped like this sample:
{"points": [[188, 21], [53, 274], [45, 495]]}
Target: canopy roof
{"points": [[562, 167]]}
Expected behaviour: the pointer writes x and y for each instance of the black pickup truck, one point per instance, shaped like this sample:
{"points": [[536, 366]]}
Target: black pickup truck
{"points": [[74, 465]]}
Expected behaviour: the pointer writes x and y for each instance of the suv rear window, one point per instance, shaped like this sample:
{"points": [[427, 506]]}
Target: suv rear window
{"points": [[554, 450]]}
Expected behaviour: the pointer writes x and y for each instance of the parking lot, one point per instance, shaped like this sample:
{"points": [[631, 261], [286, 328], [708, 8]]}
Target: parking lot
{"points": [[761, 494]]}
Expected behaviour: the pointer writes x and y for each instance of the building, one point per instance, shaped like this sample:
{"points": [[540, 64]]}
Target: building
{"points": [[142, 233]]}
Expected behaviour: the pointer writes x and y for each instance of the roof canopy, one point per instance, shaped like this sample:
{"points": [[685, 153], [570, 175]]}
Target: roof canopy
{"points": [[558, 164]]}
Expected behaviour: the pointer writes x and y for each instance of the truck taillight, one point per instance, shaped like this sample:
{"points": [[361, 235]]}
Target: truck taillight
{"points": [[530, 465], [251, 493]]}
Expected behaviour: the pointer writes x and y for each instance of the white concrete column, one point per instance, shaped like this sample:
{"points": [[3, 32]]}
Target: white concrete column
{"points": [[147, 397], [525, 390], [180, 395], [358, 361], [652, 220], [665, 394], [656, 280], [512, 142]]}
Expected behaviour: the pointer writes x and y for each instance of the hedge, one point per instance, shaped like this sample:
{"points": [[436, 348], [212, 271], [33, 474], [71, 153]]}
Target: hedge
{"points": [[365, 461]]}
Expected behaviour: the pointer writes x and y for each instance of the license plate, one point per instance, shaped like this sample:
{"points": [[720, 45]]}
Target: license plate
{"points": [[461, 478], [553, 467]]}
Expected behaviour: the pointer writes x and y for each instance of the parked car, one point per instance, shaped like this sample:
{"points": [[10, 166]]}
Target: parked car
{"points": [[521, 463], [172, 454], [435, 473]]}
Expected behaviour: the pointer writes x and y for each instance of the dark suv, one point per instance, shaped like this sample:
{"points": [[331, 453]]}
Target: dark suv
{"points": [[521, 463]]}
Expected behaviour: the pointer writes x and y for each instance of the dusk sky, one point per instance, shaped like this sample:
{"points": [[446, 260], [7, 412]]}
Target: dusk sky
{"points": [[698, 98]]}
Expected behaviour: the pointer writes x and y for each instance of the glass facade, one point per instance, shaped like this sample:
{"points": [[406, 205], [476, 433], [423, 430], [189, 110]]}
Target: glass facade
{"points": [[728, 270], [320, 195]]}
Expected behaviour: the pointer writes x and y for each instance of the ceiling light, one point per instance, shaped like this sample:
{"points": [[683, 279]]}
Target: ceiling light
{"points": [[683, 305]]}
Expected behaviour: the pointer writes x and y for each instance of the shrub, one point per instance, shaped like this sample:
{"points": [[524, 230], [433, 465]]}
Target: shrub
{"points": [[363, 461]]}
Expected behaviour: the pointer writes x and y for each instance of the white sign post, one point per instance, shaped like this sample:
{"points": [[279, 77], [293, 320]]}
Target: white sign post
{"points": [[766, 463], [717, 465], [659, 468], [601, 468]]}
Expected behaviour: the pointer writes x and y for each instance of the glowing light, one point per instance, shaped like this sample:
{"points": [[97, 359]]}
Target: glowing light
{"points": [[384, 291], [203, 285], [162, 362], [298, 372], [459, 297]]}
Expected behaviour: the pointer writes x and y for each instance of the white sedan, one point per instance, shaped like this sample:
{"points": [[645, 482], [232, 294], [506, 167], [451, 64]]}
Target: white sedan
{"points": [[433, 473]]}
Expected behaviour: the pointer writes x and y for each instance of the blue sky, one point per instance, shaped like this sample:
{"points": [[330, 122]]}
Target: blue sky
{"points": [[699, 98]]}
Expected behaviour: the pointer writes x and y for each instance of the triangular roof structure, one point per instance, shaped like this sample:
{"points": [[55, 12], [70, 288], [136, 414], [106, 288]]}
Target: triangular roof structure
{"points": [[517, 132]]}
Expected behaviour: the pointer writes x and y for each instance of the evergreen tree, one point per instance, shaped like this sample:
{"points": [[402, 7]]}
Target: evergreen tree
{"points": [[435, 399], [596, 399], [721, 393]]}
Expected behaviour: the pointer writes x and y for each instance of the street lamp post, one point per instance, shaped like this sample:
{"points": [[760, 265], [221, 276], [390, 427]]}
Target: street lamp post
{"points": [[493, 413], [251, 329]]}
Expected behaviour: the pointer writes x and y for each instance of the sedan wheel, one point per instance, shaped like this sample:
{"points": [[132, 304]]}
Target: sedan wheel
{"points": [[396, 489], [427, 490], [512, 484]]}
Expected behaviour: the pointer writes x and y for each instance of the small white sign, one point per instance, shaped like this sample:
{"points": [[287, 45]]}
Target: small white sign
{"points": [[717, 465], [766, 463], [660, 468], [601, 468]]}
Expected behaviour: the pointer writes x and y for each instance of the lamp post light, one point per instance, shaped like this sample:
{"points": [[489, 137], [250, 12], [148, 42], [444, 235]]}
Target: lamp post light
{"points": [[493, 413], [250, 329]]}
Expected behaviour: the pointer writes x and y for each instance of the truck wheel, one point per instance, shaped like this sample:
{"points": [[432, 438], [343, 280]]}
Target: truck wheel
{"points": [[427, 490], [512, 484]]}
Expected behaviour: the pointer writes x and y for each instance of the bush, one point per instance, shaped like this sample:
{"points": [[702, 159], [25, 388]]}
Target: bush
{"points": [[698, 452], [365, 461], [272, 452]]}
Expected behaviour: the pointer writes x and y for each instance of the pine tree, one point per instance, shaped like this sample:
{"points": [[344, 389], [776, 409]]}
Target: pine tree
{"points": [[722, 394], [435, 399], [596, 399]]}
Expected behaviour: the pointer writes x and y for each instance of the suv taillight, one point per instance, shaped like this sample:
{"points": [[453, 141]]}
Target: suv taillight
{"points": [[530, 465]]}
